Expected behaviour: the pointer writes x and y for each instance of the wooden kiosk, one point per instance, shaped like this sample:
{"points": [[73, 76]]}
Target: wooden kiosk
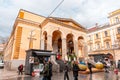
{"points": [[34, 59]]}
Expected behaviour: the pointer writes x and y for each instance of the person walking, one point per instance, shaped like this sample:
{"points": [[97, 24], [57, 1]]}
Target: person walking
{"points": [[90, 63], [75, 70], [50, 70], [90, 67], [106, 65], [118, 65], [45, 71], [66, 71], [20, 69], [116, 73]]}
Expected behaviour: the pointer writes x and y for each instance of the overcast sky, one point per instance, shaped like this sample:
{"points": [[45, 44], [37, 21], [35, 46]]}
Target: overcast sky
{"points": [[85, 12]]}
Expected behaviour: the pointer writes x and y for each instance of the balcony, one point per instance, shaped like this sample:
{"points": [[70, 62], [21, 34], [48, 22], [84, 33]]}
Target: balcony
{"points": [[118, 36], [107, 38], [116, 46], [115, 23], [97, 40], [95, 50], [90, 41], [107, 48]]}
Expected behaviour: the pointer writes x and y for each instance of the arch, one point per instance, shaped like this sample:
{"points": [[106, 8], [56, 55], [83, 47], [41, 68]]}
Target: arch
{"points": [[57, 29], [56, 35], [80, 46], [45, 32], [45, 40], [80, 37], [57, 41], [80, 41], [109, 55], [70, 43]]}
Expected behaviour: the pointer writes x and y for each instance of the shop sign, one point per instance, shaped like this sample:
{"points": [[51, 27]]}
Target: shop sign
{"points": [[31, 60]]}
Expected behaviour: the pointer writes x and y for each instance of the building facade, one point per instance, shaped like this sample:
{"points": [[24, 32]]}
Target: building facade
{"points": [[106, 39], [2, 45], [33, 31]]}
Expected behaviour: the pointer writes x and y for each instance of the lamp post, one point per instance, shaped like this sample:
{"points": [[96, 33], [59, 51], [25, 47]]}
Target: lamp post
{"points": [[40, 26]]}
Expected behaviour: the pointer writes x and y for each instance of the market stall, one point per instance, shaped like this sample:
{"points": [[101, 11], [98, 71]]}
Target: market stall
{"points": [[34, 60]]}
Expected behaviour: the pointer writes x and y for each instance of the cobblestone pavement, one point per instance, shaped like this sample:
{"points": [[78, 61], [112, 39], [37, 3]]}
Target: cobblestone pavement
{"points": [[5, 74], [60, 76]]}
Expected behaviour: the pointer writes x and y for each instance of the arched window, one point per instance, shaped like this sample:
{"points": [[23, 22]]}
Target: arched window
{"points": [[118, 29], [106, 34], [97, 36], [98, 46], [107, 45], [117, 19]]}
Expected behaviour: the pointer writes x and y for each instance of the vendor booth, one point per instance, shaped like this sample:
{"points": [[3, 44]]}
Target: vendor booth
{"points": [[34, 60], [98, 57]]}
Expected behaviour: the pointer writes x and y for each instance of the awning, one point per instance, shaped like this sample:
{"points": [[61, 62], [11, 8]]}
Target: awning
{"points": [[96, 54], [38, 53]]}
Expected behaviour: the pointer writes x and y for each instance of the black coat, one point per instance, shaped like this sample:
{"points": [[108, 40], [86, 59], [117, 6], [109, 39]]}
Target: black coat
{"points": [[50, 69], [66, 68], [89, 65], [46, 70], [118, 64], [75, 70]]}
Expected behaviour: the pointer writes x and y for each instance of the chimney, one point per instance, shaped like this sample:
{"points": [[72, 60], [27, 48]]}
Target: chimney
{"points": [[96, 24]]}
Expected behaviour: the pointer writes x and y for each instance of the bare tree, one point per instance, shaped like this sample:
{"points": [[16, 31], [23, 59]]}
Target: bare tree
{"points": [[3, 39]]}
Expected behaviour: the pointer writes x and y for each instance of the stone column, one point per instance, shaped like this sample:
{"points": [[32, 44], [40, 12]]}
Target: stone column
{"points": [[49, 42], [112, 36], [76, 47], [55, 46], [94, 47], [115, 34], [102, 42], [42, 44], [64, 48]]}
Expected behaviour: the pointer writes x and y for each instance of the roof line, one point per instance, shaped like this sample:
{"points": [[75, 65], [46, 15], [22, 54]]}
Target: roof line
{"points": [[32, 13], [69, 19]]}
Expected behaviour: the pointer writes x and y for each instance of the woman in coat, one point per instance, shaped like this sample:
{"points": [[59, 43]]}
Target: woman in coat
{"points": [[45, 71], [50, 70], [20, 69], [75, 70], [66, 71]]}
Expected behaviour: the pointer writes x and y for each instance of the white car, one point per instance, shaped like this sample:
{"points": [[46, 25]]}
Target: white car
{"points": [[1, 64]]}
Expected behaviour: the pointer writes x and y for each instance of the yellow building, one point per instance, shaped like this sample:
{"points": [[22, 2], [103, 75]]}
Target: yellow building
{"points": [[33, 31], [2, 45], [106, 38]]}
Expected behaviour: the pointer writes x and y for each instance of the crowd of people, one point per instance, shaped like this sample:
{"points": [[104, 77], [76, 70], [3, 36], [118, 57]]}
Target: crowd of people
{"points": [[47, 70]]}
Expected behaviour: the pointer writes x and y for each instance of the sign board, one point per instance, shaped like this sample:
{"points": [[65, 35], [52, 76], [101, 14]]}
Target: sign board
{"points": [[31, 59]]}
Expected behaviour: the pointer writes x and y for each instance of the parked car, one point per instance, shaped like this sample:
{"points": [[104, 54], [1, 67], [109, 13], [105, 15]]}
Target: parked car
{"points": [[1, 64]]}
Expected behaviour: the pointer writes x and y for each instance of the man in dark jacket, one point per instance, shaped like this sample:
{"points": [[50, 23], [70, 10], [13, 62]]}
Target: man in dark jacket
{"points": [[50, 70], [75, 70], [45, 71], [90, 67], [66, 71], [118, 65], [20, 69]]}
